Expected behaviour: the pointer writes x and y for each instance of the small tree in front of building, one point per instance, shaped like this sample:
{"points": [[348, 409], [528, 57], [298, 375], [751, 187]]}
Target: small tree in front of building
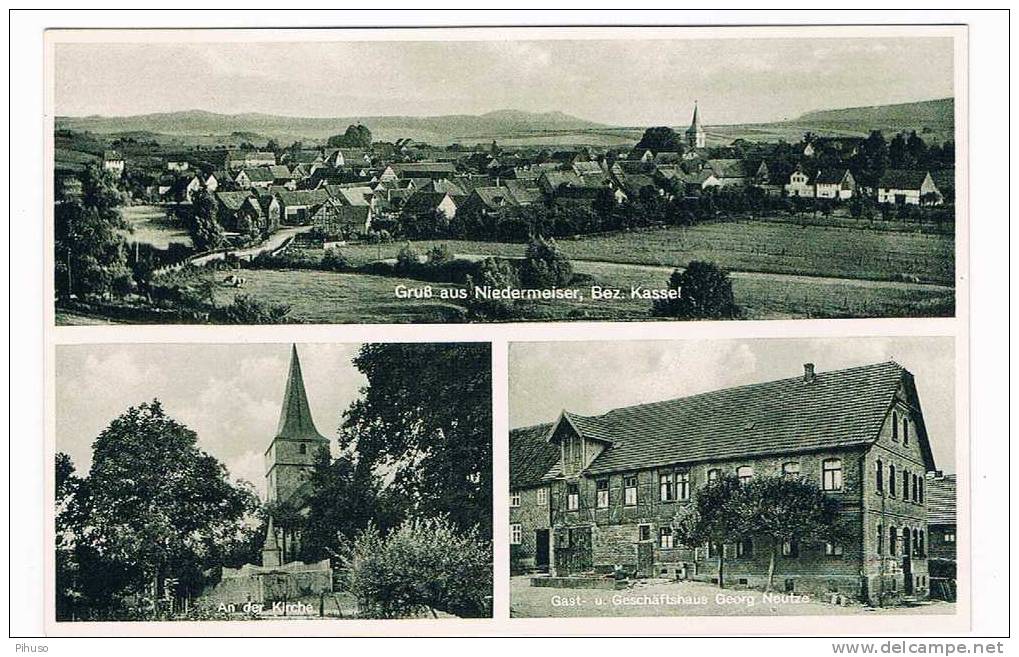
{"points": [[715, 518], [545, 265], [788, 511]]}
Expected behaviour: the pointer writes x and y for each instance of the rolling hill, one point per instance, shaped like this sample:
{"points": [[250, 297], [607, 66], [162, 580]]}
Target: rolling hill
{"points": [[930, 115]]}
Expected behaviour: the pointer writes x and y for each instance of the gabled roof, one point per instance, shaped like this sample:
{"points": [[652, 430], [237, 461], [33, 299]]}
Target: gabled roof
{"points": [[295, 416], [530, 455], [280, 172], [233, 200], [727, 168], [422, 201], [830, 176], [844, 408], [360, 195], [303, 197], [940, 499], [423, 169], [902, 179], [258, 174]]}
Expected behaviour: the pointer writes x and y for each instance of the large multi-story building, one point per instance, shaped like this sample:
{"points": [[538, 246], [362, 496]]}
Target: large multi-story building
{"points": [[618, 481]]}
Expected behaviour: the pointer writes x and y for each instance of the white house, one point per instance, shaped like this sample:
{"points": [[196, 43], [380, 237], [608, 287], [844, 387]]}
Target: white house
{"points": [[835, 184], [113, 162], [908, 187], [800, 184]]}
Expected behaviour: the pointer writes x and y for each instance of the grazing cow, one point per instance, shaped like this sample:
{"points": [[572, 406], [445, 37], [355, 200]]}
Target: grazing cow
{"points": [[233, 280]]}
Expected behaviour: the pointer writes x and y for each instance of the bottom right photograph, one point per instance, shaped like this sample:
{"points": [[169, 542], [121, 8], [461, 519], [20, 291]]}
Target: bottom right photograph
{"points": [[733, 477]]}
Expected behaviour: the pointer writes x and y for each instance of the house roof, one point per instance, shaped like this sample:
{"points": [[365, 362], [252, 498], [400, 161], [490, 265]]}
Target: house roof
{"points": [[495, 197], [902, 179], [727, 168], [940, 498], [233, 200], [830, 176], [423, 201], [360, 195], [423, 169], [259, 174], [295, 415], [303, 196], [587, 167], [280, 172], [838, 409], [530, 455]]}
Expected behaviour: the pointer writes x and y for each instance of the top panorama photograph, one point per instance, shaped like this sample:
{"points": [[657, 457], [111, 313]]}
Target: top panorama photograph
{"points": [[436, 180]]}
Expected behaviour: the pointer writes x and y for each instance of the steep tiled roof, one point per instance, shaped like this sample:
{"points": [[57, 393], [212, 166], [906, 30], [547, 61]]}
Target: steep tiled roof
{"points": [[258, 174], [233, 200], [295, 416], [838, 409], [902, 179], [530, 455], [940, 498], [830, 176], [730, 168], [303, 197]]}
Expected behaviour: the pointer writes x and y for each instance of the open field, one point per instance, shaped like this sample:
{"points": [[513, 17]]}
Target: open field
{"points": [[751, 246], [330, 297], [648, 598], [150, 225]]}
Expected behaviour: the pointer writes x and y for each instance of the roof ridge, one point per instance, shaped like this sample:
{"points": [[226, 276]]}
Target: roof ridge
{"points": [[739, 387]]}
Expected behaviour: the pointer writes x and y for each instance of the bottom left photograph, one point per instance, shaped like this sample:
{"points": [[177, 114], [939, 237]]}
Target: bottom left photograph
{"points": [[272, 481]]}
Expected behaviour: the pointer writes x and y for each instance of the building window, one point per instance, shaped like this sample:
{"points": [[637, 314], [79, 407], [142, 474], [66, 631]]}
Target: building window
{"points": [[683, 486], [893, 539], [831, 474], [714, 549], [602, 486], [880, 540], [879, 473], [516, 533], [643, 532], [302, 448], [905, 430], [919, 482], [790, 549], [713, 475], [745, 473], [542, 497], [791, 469], [572, 497], [917, 552], [666, 491], [833, 549], [915, 492], [949, 537], [515, 499], [891, 480], [630, 490], [665, 538], [895, 426], [745, 548], [905, 485]]}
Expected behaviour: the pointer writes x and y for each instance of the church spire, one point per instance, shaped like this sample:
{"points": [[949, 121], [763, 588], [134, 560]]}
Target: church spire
{"points": [[696, 122], [295, 416], [695, 136]]}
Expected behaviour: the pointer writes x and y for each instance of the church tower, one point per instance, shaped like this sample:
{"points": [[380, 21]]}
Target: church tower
{"points": [[291, 455], [695, 136]]}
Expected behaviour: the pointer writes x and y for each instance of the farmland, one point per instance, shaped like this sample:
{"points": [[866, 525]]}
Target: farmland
{"points": [[150, 225], [779, 248]]}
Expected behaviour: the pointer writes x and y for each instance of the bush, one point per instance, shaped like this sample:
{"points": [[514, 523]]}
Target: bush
{"points": [[334, 260], [246, 309], [439, 254], [545, 266], [422, 566], [496, 274], [705, 292], [407, 259]]}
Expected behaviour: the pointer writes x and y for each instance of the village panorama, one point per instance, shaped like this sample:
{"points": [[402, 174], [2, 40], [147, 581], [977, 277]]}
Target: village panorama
{"points": [[836, 213]]}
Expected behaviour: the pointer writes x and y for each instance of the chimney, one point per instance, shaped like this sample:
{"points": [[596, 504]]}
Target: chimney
{"points": [[808, 373]]}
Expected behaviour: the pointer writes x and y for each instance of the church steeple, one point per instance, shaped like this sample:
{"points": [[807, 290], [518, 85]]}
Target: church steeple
{"points": [[292, 452], [295, 415], [695, 136]]}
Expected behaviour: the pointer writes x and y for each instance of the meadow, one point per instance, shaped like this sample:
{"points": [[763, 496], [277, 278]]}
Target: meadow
{"points": [[150, 225]]}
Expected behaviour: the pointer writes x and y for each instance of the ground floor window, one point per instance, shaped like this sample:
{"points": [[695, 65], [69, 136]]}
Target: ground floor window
{"points": [[516, 533], [665, 538], [714, 550], [745, 548], [643, 532], [515, 499], [790, 549], [950, 538], [833, 549]]}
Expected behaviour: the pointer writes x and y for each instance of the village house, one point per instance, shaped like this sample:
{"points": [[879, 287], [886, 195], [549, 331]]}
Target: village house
{"points": [[247, 159], [730, 172], [622, 478], [941, 522], [433, 170], [177, 163], [531, 456], [837, 184], [908, 187], [339, 219], [423, 202], [184, 188], [254, 177], [296, 206], [113, 162], [242, 213], [801, 184]]}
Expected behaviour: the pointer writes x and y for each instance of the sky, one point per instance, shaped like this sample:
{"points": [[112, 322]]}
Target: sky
{"points": [[629, 82], [229, 394], [591, 378]]}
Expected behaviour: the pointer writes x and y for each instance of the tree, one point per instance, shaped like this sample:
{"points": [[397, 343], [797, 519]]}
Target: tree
{"points": [[89, 253], [425, 417], [356, 136], [716, 517], [407, 258], [658, 139], [545, 265], [423, 566], [344, 500], [159, 507], [69, 523], [206, 233], [784, 510], [705, 292], [495, 274]]}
